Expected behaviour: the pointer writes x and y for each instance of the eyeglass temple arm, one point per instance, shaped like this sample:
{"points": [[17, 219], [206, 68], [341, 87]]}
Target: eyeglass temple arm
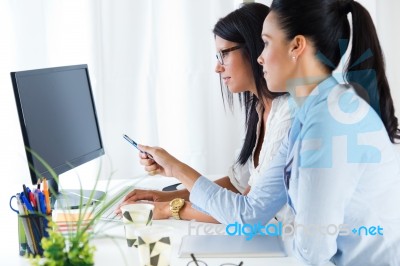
{"points": [[194, 259]]}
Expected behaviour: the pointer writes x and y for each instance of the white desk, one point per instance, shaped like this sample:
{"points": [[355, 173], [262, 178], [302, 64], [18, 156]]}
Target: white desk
{"points": [[115, 251], [111, 253]]}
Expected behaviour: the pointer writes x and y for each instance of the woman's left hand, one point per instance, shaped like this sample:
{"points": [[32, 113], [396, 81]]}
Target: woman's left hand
{"points": [[161, 209]]}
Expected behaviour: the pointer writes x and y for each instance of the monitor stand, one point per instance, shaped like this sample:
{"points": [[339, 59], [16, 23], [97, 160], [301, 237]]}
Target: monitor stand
{"points": [[71, 198]]}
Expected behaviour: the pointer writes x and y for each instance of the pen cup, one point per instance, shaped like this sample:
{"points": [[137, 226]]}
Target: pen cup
{"points": [[23, 245], [35, 227]]}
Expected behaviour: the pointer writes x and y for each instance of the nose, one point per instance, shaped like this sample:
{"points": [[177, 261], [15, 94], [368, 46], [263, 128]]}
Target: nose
{"points": [[219, 68], [260, 60]]}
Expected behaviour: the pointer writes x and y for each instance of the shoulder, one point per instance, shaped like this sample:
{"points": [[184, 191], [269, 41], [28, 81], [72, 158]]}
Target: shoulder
{"points": [[281, 108], [339, 104], [339, 111]]}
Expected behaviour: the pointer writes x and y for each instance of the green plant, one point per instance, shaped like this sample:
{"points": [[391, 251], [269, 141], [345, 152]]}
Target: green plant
{"points": [[76, 247], [59, 251]]}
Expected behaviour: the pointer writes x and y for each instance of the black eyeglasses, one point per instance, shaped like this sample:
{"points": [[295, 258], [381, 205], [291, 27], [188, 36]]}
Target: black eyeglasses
{"points": [[196, 262], [223, 53]]}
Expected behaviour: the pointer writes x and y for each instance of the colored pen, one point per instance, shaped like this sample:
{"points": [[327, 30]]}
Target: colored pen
{"points": [[42, 209], [31, 197], [46, 196], [24, 223], [27, 223], [26, 203], [136, 145]]}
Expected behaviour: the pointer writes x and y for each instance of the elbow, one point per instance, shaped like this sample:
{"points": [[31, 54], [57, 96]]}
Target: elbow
{"points": [[312, 253]]}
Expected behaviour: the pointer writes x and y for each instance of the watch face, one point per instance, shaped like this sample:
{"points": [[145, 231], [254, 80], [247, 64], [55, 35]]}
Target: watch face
{"points": [[177, 202]]}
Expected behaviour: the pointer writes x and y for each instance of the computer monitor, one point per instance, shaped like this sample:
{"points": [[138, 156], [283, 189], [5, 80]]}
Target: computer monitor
{"points": [[58, 121]]}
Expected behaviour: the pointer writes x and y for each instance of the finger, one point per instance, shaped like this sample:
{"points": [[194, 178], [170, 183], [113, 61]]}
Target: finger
{"points": [[143, 155], [152, 173], [131, 194], [147, 149], [118, 211], [153, 167], [147, 162]]}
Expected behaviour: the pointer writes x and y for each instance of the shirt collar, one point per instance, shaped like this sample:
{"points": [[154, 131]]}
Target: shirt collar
{"points": [[319, 92]]}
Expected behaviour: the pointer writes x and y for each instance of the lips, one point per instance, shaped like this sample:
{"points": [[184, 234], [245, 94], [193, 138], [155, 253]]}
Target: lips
{"points": [[226, 79]]}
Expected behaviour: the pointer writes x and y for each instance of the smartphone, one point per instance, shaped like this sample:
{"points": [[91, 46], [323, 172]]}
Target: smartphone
{"points": [[135, 145]]}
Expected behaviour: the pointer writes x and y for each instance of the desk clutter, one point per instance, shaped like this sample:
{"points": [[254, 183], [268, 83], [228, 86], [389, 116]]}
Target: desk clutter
{"points": [[71, 220], [34, 212]]}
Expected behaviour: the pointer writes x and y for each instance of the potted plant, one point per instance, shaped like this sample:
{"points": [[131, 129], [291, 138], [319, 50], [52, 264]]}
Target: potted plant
{"points": [[75, 248]]}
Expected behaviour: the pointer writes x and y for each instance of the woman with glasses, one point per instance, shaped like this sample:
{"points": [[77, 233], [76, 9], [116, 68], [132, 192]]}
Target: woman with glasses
{"points": [[238, 44], [338, 169]]}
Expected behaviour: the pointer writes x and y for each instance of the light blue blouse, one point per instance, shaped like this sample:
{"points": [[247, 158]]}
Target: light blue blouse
{"points": [[339, 173]]}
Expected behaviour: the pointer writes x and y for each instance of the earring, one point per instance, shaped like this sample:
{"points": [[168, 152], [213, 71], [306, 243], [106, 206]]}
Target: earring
{"points": [[294, 58]]}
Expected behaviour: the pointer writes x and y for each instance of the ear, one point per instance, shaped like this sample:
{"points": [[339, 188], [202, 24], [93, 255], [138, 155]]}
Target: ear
{"points": [[297, 46]]}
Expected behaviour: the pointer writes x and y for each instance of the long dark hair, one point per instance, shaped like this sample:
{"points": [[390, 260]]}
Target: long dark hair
{"points": [[325, 23], [244, 26]]}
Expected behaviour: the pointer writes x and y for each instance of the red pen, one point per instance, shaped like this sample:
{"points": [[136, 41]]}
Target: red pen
{"points": [[32, 198]]}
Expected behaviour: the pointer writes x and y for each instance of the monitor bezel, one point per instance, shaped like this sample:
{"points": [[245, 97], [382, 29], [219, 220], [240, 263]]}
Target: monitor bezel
{"points": [[75, 162]]}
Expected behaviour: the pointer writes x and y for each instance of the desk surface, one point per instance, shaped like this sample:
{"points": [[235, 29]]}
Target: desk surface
{"points": [[109, 251], [114, 250]]}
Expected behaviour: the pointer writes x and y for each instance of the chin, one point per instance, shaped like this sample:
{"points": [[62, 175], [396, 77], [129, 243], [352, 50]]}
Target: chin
{"points": [[275, 87], [234, 90]]}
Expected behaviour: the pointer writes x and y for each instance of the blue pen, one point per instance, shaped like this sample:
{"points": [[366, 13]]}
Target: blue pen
{"points": [[42, 207], [42, 202], [26, 202], [42, 210], [25, 198], [135, 145]]}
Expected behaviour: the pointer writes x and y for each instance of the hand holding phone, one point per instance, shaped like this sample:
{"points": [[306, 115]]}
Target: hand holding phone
{"points": [[135, 145]]}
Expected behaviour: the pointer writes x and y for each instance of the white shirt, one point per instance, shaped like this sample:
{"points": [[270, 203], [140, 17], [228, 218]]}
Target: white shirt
{"points": [[277, 127]]}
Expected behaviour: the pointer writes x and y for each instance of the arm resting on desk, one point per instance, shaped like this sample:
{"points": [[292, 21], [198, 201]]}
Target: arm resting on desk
{"points": [[266, 197]]}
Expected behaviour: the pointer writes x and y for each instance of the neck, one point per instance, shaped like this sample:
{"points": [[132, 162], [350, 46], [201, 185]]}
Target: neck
{"points": [[308, 75]]}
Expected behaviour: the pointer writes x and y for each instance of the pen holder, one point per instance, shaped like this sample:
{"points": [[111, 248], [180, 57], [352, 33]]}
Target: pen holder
{"points": [[35, 227], [23, 245]]}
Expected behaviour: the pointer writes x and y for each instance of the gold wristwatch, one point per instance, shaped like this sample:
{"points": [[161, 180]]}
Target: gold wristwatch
{"points": [[175, 206]]}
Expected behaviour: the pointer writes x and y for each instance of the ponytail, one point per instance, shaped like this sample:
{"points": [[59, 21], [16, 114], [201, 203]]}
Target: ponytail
{"points": [[325, 23], [368, 68]]}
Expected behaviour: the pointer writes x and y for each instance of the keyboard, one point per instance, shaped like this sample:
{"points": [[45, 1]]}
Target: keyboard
{"points": [[109, 215]]}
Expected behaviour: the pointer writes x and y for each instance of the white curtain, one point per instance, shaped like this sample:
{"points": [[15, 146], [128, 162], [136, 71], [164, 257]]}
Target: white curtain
{"points": [[152, 70], [158, 83]]}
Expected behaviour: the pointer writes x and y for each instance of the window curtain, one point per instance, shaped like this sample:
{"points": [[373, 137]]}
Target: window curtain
{"points": [[151, 65], [152, 70]]}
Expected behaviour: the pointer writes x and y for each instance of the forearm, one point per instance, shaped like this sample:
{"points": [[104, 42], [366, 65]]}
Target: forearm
{"points": [[265, 199], [182, 193], [189, 213], [259, 206], [225, 182], [187, 175]]}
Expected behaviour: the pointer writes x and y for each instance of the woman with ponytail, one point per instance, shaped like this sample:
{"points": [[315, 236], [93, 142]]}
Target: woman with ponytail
{"points": [[338, 168]]}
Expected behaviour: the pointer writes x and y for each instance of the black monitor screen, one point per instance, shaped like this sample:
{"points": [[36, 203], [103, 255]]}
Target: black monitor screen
{"points": [[58, 117]]}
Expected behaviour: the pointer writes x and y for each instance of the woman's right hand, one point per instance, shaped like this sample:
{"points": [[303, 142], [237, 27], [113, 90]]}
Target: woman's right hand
{"points": [[163, 163]]}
